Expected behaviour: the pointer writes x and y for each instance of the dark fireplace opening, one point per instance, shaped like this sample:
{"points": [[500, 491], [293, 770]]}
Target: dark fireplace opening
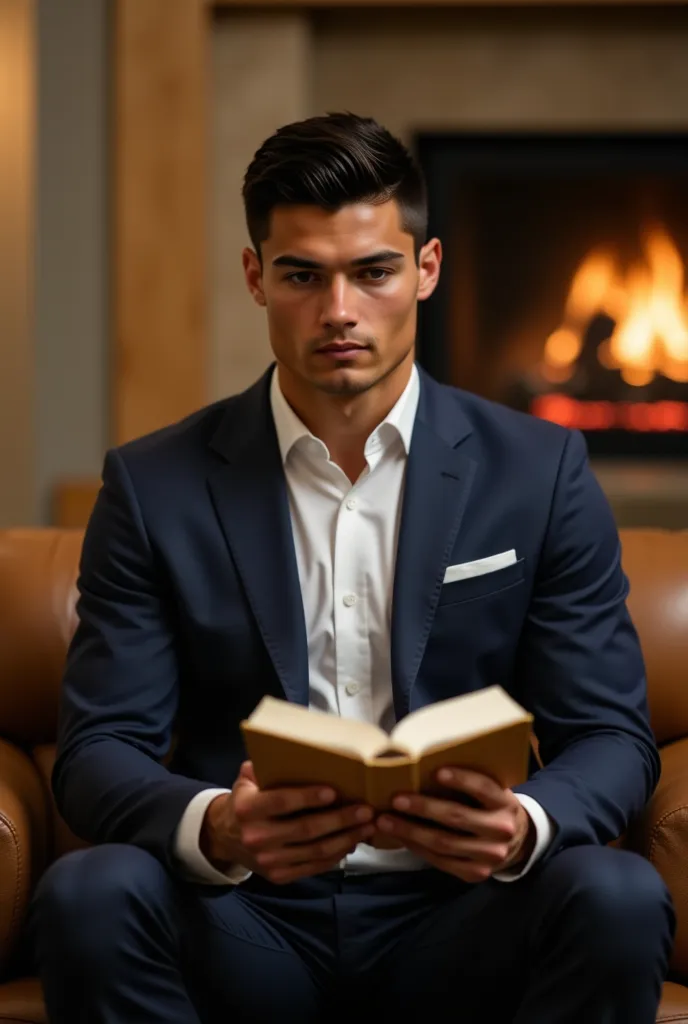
{"points": [[564, 290]]}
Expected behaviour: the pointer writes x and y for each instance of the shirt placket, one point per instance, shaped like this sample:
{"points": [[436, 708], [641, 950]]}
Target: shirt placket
{"points": [[352, 656]]}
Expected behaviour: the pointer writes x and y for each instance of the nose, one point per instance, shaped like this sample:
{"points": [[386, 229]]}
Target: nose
{"points": [[338, 309]]}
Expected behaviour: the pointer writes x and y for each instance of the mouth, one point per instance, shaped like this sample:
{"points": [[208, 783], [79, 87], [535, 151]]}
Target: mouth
{"points": [[341, 348]]}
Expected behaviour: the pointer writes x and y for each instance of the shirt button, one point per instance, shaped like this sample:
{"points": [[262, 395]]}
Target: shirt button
{"points": [[352, 689], [351, 504], [349, 600]]}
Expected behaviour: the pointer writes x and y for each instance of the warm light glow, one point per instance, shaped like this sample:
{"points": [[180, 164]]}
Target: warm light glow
{"points": [[563, 347], [591, 415], [647, 303]]}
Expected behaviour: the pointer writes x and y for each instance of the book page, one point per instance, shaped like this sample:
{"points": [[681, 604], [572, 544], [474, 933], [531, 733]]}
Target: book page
{"points": [[317, 728], [457, 719]]}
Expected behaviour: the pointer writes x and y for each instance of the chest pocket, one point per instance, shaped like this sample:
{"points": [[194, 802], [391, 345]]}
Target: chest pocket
{"points": [[482, 586]]}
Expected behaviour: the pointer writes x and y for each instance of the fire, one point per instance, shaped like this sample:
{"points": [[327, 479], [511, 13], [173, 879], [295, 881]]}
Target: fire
{"points": [[649, 308]]}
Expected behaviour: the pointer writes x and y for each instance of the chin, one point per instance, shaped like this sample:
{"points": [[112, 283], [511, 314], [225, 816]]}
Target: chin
{"points": [[346, 388], [346, 382], [350, 388]]}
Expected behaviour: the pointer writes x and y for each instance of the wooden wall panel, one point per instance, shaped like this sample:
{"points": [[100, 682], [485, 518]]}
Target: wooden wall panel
{"points": [[17, 153], [159, 287]]}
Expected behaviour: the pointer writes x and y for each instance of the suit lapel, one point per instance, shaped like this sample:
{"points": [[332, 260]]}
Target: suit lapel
{"points": [[250, 498], [437, 486]]}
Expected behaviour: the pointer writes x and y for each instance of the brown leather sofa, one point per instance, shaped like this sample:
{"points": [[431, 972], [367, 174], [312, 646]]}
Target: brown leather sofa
{"points": [[37, 594]]}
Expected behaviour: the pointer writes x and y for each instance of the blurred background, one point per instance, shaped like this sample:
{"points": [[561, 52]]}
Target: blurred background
{"points": [[555, 141]]}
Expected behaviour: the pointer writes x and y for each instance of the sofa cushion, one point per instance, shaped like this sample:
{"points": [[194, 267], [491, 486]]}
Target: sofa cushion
{"points": [[21, 1002], [63, 839]]}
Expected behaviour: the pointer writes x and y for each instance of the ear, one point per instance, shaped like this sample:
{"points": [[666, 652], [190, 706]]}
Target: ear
{"points": [[429, 263], [253, 272]]}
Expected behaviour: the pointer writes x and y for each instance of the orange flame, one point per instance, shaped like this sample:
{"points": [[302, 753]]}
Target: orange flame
{"points": [[649, 308]]}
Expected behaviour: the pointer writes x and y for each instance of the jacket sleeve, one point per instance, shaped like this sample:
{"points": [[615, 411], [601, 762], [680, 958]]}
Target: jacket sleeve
{"points": [[121, 686], [580, 669]]}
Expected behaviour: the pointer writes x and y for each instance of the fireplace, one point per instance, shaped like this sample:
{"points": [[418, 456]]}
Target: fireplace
{"points": [[564, 290]]}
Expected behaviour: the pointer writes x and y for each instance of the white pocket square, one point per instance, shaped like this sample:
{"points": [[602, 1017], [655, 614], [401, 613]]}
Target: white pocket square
{"points": [[465, 570]]}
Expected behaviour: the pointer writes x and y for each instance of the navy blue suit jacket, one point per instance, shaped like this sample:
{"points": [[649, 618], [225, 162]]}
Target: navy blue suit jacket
{"points": [[190, 610]]}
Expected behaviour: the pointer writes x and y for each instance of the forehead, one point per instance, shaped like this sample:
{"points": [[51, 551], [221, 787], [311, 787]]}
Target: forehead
{"points": [[338, 236]]}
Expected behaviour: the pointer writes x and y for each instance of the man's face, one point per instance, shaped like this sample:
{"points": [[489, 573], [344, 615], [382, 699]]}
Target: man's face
{"points": [[341, 292]]}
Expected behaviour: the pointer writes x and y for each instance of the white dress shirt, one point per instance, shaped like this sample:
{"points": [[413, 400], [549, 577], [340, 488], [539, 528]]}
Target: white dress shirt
{"points": [[345, 536]]}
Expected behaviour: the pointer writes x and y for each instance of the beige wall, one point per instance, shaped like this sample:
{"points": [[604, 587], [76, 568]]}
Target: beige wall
{"points": [[71, 243], [497, 68], [260, 80], [17, 146], [53, 249]]}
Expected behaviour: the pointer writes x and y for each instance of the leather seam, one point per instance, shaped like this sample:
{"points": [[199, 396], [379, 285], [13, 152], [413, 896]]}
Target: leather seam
{"points": [[18, 857], [655, 830], [32, 1020]]}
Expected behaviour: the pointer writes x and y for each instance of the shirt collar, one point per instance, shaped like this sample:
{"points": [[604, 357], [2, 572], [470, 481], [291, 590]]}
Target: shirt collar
{"points": [[398, 422]]}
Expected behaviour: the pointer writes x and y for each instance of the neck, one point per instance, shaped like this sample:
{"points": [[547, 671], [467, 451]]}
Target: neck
{"points": [[345, 422]]}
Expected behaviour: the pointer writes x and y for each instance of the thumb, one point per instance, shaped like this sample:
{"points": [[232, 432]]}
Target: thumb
{"points": [[247, 774]]}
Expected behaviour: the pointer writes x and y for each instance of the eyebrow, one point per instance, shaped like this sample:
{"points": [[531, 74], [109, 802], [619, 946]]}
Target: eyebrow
{"points": [[364, 261]]}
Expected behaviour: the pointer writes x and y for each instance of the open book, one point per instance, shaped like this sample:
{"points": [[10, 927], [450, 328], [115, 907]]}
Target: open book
{"points": [[486, 730]]}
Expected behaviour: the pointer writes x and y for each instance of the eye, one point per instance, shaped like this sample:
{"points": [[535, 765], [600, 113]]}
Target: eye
{"points": [[377, 273], [301, 277]]}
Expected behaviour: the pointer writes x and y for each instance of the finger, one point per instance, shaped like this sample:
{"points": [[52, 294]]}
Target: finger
{"points": [[481, 787], [246, 772], [443, 843], [274, 803], [329, 848], [304, 829], [497, 825], [245, 785], [467, 870]]}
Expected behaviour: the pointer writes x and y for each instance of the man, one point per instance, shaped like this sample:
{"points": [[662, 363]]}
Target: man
{"points": [[294, 540]]}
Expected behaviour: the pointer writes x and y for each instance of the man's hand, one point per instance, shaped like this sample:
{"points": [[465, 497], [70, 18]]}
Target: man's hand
{"points": [[471, 843], [281, 834]]}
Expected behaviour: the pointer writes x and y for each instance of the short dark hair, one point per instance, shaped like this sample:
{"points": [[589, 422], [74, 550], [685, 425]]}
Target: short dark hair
{"points": [[330, 161]]}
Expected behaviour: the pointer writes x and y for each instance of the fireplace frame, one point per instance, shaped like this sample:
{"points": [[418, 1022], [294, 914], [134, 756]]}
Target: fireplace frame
{"points": [[446, 156]]}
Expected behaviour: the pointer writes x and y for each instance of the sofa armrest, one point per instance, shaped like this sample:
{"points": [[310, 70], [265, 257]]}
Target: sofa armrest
{"points": [[662, 836], [23, 841]]}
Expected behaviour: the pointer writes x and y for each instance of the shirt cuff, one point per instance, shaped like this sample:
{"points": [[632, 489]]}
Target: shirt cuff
{"points": [[187, 850], [544, 834]]}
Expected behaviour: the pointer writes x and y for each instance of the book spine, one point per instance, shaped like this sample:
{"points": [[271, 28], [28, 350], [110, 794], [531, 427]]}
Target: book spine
{"points": [[385, 778]]}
